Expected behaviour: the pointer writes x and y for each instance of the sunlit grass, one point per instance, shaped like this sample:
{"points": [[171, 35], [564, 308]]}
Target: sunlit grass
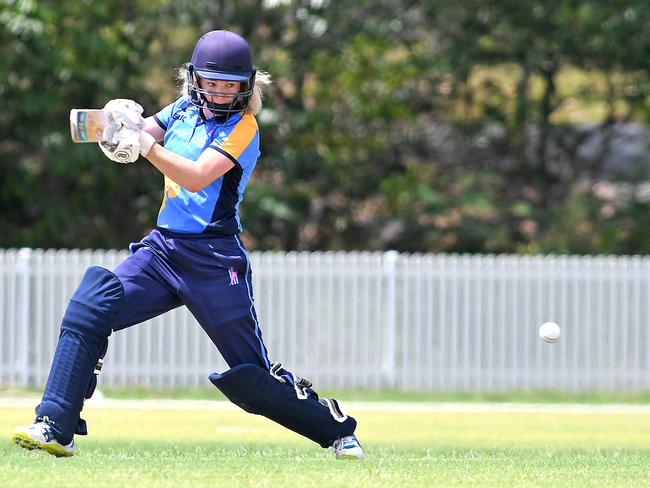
{"points": [[227, 447], [538, 396]]}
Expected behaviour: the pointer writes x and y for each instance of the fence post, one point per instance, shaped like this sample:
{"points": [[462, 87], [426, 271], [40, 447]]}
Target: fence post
{"points": [[389, 363], [23, 275]]}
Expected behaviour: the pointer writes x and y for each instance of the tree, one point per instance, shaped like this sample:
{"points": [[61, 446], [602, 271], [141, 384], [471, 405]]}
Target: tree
{"points": [[419, 126]]}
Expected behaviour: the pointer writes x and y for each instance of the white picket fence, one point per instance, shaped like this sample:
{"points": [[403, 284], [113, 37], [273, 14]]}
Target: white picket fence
{"points": [[368, 320]]}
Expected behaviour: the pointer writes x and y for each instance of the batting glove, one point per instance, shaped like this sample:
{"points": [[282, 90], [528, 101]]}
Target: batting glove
{"points": [[123, 138], [124, 146], [123, 113]]}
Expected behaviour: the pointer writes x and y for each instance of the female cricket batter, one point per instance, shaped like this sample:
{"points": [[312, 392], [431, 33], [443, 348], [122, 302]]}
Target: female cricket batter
{"points": [[194, 257]]}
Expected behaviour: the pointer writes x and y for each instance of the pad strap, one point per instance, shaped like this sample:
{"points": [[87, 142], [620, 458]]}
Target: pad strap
{"points": [[300, 385]]}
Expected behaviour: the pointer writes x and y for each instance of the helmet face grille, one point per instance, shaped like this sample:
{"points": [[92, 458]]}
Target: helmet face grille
{"points": [[198, 95]]}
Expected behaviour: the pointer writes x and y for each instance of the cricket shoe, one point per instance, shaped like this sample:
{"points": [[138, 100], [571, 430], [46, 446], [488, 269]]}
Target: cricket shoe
{"points": [[347, 447], [41, 436]]}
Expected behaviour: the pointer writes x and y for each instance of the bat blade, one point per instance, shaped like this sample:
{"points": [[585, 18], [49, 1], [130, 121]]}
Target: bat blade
{"points": [[87, 124]]}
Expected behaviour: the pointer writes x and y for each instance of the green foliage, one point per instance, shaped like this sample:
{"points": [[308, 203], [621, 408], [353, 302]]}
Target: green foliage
{"points": [[418, 126], [57, 56]]}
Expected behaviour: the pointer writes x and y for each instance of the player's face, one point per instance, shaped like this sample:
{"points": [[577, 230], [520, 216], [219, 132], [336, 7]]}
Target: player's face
{"points": [[224, 91]]}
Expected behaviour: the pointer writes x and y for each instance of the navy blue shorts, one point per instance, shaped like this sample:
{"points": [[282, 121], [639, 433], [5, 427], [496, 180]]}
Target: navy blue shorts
{"points": [[211, 275]]}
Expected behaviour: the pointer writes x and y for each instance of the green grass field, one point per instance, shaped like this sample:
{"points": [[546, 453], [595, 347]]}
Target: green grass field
{"points": [[226, 447]]}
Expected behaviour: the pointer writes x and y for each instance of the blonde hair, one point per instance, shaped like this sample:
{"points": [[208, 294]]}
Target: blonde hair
{"points": [[262, 79]]}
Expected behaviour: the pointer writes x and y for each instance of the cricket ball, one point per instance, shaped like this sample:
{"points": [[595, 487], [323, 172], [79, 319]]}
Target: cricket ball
{"points": [[549, 332]]}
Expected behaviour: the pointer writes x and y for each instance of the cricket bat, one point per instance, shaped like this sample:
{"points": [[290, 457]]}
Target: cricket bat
{"points": [[88, 124]]}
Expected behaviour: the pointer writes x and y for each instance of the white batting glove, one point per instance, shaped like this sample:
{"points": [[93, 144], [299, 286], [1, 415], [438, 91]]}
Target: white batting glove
{"points": [[122, 113], [124, 146], [126, 111], [123, 138]]}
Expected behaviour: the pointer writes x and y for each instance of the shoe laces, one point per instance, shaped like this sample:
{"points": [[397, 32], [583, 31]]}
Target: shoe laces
{"points": [[345, 442], [48, 433]]}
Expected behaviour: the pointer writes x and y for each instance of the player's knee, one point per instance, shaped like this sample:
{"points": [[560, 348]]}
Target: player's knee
{"points": [[95, 304]]}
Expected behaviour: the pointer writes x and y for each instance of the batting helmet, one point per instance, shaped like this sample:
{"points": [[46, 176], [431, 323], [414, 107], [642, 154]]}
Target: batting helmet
{"points": [[221, 55]]}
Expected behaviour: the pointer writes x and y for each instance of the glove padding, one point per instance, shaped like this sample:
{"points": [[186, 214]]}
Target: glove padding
{"points": [[127, 145], [122, 113], [123, 138], [124, 146]]}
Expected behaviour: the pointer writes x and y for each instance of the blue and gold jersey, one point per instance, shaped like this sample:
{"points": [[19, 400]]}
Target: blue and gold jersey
{"points": [[213, 209]]}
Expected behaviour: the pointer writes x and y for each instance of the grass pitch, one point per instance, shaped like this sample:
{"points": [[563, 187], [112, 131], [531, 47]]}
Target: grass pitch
{"points": [[215, 446]]}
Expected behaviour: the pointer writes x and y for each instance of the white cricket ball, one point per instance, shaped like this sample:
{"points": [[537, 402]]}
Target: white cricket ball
{"points": [[549, 332]]}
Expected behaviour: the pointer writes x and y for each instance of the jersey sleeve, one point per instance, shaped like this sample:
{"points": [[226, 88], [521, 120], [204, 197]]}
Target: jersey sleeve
{"points": [[241, 144], [164, 117]]}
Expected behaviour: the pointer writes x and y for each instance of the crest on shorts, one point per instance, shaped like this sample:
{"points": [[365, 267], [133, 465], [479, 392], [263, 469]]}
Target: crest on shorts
{"points": [[233, 276]]}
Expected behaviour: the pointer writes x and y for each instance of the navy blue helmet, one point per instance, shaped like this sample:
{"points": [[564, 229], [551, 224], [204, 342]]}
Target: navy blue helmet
{"points": [[221, 55]]}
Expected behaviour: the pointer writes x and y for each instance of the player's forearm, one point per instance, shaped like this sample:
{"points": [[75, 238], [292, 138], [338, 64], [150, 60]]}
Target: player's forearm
{"points": [[152, 127], [183, 171]]}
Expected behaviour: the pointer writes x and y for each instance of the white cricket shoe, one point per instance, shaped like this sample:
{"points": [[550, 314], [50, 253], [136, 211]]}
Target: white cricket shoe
{"points": [[41, 436], [348, 447]]}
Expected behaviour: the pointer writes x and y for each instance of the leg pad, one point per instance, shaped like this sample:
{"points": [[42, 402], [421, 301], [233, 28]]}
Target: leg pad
{"points": [[254, 389], [83, 340]]}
